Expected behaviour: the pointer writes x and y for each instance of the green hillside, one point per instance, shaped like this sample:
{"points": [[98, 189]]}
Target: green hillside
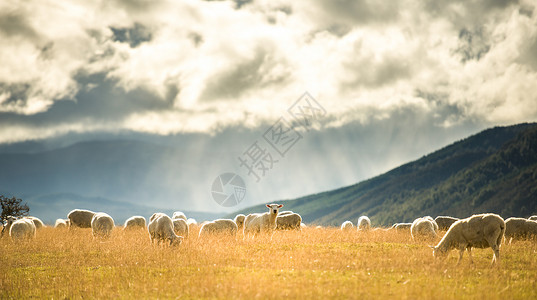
{"points": [[492, 171]]}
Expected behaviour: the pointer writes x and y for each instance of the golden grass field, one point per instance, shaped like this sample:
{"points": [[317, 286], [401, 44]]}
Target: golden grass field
{"points": [[313, 263]]}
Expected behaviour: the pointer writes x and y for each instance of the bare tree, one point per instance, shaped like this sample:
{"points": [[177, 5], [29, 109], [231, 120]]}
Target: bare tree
{"points": [[12, 207]]}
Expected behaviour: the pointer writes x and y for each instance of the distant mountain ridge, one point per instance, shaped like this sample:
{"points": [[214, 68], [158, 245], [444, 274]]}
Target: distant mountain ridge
{"points": [[54, 206], [492, 171], [121, 177]]}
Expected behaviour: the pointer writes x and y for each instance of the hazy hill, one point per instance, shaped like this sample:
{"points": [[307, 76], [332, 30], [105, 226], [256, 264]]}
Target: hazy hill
{"points": [[51, 207], [121, 177], [492, 171]]}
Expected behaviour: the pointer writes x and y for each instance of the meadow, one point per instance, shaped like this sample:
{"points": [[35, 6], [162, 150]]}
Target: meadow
{"points": [[313, 263]]}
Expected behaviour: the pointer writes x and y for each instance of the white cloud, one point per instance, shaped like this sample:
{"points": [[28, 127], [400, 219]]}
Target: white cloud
{"points": [[221, 66]]}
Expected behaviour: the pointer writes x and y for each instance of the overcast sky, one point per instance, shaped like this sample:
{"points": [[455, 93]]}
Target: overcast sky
{"points": [[409, 76]]}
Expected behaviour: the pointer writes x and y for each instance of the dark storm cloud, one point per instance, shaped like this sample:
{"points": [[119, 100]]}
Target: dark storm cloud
{"points": [[473, 45], [98, 100], [359, 12], [528, 55], [473, 13], [367, 73], [135, 6], [16, 24], [18, 92], [339, 17], [242, 77], [134, 36]]}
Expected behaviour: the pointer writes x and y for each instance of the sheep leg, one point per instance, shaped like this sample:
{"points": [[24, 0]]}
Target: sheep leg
{"points": [[469, 249], [496, 256], [461, 252]]}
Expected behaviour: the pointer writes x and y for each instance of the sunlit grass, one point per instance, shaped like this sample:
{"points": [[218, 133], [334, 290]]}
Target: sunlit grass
{"points": [[314, 263]]}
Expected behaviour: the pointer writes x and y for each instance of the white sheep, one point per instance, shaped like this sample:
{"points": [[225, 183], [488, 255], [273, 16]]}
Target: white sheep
{"points": [[191, 221], [303, 225], [346, 226], [80, 218], [180, 227], [435, 225], [401, 226], [262, 222], [179, 215], [156, 215], [134, 222], [61, 223], [226, 226], [37, 222], [422, 228], [239, 220], [444, 222], [22, 229], [102, 225], [161, 229], [519, 228], [285, 212], [477, 231], [363, 223], [533, 218], [289, 221], [7, 227]]}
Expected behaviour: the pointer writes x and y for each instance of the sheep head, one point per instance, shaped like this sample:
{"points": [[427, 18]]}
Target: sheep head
{"points": [[274, 208]]}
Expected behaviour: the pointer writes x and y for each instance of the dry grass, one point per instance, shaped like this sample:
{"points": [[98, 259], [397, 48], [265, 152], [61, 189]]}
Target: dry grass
{"points": [[314, 263]]}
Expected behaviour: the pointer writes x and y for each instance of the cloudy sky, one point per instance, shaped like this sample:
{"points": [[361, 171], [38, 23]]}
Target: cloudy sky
{"points": [[397, 79]]}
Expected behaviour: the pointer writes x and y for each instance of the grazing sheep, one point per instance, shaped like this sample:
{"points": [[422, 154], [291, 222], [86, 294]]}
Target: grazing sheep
{"points": [[519, 228], [37, 222], [302, 226], [262, 222], [288, 221], [134, 222], [80, 218], [191, 221], [179, 215], [533, 218], [477, 231], [444, 222], [285, 212], [227, 226], [156, 215], [102, 225], [402, 226], [347, 225], [161, 228], [9, 222], [61, 223], [363, 223], [22, 229], [239, 220], [180, 227], [435, 225], [422, 228]]}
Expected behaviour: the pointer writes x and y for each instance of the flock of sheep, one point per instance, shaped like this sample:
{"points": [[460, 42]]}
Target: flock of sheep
{"points": [[477, 231]]}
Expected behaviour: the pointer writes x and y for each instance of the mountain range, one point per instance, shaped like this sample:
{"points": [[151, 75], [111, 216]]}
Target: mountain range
{"points": [[492, 171]]}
